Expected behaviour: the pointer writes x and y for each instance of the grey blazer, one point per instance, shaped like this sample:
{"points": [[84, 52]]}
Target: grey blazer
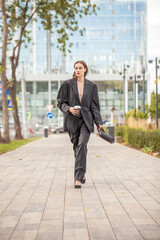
{"points": [[68, 97]]}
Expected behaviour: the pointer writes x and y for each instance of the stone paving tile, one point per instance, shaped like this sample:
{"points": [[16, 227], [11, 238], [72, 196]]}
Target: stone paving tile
{"points": [[50, 230], [25, 235], [156, 218], [127, 233], [38, 201], [78, 234], [100, 229], [7, 225]]}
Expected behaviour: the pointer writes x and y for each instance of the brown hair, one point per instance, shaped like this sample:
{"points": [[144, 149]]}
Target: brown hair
{"points": [[84, 65], [74, 75]]}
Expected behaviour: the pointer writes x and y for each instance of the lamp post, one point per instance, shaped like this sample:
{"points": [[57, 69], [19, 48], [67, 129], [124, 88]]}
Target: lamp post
{"points": [[143, 101], [124, 84], [49, 72], [24, 114], [143, 73], [156, 68], [134, 91]]}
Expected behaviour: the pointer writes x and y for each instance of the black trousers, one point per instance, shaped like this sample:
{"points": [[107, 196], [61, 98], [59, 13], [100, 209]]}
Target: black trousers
{"points": [[80, 139]]}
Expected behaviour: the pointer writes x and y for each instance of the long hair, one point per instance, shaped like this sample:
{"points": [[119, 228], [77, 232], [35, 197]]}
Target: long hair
{"points": [[84, 65]]}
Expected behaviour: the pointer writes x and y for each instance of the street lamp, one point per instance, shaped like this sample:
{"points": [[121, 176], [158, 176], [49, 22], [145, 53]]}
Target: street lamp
{"points": [[156, 68], [143, 73], [134, 87], [124, 83], [143, 101], [24, 114]]}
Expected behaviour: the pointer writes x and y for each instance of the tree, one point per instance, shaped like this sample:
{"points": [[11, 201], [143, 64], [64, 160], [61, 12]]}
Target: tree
{"points": [[1, 140], [6, 137], [139, 114], [151, 110], [51, 13]]}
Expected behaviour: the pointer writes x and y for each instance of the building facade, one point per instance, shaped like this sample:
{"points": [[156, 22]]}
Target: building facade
{"points": [[113, 45]]}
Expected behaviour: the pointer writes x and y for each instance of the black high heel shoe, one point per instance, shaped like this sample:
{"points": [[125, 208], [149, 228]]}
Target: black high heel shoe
{"points": [[83, 180], [77, 186]]}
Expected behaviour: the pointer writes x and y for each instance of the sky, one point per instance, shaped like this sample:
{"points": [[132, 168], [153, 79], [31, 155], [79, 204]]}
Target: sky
{"points": [[153, 28], [153, 42]]}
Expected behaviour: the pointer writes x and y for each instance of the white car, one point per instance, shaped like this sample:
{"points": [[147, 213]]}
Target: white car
{"points": [[107, 124]]}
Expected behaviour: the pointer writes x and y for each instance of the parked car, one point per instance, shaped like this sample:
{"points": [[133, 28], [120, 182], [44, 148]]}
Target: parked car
{"points": [[107, 124], [59, 130]]}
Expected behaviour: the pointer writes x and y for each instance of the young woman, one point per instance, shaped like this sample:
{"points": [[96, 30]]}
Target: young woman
{"points": [[78, 100]]}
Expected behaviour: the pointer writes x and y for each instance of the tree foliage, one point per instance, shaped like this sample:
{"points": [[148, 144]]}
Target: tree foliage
{"points": [[61, 15], [151, 110], [58, 15], [139, 114]]}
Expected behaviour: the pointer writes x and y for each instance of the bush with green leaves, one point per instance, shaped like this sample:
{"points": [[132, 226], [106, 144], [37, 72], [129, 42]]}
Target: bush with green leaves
{"points": [[139, 114], [139, 138], [151, 110]]}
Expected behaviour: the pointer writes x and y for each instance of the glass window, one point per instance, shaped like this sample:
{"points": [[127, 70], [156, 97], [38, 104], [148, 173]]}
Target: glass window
{"points": [[18, 87], [42, 87], [54, 86], [29, 87]]}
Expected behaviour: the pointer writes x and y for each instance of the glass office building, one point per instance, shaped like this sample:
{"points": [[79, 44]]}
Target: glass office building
{"points": [[117, 35]]}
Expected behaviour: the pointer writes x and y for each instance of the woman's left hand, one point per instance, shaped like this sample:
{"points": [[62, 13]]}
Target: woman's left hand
{"points": [[100, 127]]}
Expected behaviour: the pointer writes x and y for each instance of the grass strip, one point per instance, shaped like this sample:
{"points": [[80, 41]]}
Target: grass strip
{"points": [[6, 147]]}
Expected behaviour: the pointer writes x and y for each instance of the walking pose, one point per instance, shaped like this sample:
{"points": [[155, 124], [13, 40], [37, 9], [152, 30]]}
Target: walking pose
{"points": [[78, 100]]}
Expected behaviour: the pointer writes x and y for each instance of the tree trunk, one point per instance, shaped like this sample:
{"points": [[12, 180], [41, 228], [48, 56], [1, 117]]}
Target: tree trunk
{"points": [[12, 93], [1, 140], [6, 137]]}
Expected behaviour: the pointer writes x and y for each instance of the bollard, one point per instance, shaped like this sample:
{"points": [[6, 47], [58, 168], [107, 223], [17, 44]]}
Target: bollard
{"points": [[111, 131], [46, 132]]}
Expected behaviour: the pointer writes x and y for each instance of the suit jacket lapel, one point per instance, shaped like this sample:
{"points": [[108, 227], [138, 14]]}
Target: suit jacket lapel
{"points": [[85, 90], [75, 88]]}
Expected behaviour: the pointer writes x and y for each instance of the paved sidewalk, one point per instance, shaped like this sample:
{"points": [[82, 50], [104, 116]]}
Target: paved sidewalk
{"points": [[120, 200]]}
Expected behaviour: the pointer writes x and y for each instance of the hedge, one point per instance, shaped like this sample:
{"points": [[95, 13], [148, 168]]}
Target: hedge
{"points": [[139, 138]]}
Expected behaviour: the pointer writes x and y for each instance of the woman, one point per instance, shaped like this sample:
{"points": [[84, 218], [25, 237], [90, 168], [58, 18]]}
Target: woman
{"points": [[78, 100]]}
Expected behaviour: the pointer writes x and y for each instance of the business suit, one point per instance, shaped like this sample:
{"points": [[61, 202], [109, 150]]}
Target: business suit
{"points": [[79, 128]]}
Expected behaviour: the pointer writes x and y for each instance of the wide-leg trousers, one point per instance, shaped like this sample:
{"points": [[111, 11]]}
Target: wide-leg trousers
{"points": [[80, 139]]}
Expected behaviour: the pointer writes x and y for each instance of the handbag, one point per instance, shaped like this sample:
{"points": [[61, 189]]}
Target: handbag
{"points": [[107, 137]]}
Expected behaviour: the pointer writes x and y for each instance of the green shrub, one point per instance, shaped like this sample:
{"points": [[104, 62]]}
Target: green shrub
{"points": [[119, 131], [147, 149], [140, 138], [105, 128], [139, 114]]}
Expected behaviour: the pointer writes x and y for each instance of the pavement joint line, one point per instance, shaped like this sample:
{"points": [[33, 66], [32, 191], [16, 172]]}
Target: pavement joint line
{"points": [[25, 207], [9, 184], [85, 215], [102, 203], [110, 213], [47, 197], [12, 180], [64, 205], [30, 197], [133, 194], [103, 208], [120, 202], [137, 183], [3, 177], [18, 190]]}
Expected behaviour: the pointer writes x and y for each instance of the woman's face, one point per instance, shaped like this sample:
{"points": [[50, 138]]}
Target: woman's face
{"points": [[79, 70]]}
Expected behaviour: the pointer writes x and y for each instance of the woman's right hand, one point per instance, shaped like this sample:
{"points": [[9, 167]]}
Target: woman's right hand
{"points": [[74, 111]]}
